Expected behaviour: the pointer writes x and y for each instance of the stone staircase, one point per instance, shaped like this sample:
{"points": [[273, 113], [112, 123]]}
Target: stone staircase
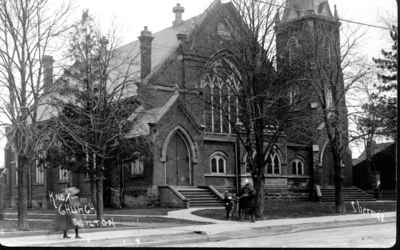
{"points": [[276, 192], [350, 194], [200, 197], [384, 195]]}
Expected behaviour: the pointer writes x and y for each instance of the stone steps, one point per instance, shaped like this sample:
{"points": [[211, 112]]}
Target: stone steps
{"points": [[350, 194], [200, 197], [276, 192]]}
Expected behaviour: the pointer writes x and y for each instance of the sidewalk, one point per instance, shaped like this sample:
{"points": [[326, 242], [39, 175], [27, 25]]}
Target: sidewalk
{"points": [[193, 232]]}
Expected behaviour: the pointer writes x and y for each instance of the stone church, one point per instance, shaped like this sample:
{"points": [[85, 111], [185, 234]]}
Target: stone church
{"points": [[192, 150]]}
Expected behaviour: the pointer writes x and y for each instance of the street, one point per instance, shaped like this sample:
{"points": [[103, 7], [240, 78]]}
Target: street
{"points": [[380, 235], [355, 230]]}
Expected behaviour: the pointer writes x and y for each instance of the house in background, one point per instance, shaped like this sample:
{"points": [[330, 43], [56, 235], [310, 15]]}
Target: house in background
{"points": [[193, 154], [383, 160]]}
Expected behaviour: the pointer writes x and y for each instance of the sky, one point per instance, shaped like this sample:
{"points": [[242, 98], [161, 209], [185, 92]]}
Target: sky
{"points": [[130, 16]]}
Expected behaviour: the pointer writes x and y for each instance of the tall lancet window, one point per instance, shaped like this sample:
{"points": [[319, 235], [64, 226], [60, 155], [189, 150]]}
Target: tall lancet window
{"points": [[207, 108], [217, 107], [221, 97], [328, 53], [291, 46], [273, 165]]}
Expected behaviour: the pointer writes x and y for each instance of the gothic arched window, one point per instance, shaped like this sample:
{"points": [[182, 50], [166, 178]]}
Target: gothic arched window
{"points": [[225, 109], [329, 98], [297, 167], [221, 99], [207, 108], [247, 161], [291, 45], [273, 165], [328, 50], [39, 173], [293, 94], [218, 163], [217, 108]]}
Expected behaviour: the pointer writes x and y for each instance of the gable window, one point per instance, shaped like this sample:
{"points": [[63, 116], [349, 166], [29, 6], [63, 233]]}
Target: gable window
{"points": [[297, 167], [63, 174], [218, 163], [136, 167], [223, 31], [220, 91], [273, 165]]}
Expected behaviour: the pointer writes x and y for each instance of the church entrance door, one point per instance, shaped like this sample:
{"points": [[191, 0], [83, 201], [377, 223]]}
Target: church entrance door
{"points": [[328, 172], [178, 161]]}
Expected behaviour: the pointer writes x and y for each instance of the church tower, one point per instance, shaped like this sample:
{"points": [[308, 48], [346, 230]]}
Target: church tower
{"points": [[308, 37]]}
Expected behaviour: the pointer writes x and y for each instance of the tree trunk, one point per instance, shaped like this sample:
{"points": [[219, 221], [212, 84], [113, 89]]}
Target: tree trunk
{"points": [[121, 184], [259, 187], [93, 180], [45, 204], [29, 184], [339, 195], [99, 194], [22, 194]]}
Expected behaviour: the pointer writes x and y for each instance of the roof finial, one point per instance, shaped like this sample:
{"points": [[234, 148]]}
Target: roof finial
{"points": [[336, 13]]}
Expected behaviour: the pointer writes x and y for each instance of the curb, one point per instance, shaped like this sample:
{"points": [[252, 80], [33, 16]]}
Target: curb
{"points": [[182, 236], [272, 230]]}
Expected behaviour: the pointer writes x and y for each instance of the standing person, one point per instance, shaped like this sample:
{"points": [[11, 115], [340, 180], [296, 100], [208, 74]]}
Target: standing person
{"points": [[75, 205], [252, 203], [63, 221], [228, 204], [243, 200], [247, 202]]}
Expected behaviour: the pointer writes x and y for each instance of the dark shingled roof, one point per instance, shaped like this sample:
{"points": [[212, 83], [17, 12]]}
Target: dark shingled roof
{"points": [[376, 149]]}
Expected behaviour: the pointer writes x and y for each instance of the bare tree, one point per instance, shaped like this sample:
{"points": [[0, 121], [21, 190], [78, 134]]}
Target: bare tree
{"points": [[259, 104], [26, 31], [94, 103], [336, 70]]}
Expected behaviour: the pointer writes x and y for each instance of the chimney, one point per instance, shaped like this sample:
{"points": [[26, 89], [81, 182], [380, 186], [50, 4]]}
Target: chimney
{"points": [[47, 72], [178, 10], [145, 39]]}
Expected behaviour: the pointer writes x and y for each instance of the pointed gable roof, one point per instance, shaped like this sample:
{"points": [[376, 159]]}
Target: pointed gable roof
{"points": [[164, 44]]}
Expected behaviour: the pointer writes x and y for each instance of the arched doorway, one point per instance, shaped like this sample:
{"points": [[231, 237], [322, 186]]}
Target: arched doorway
{"points": [[178, 165], [328, 172]]}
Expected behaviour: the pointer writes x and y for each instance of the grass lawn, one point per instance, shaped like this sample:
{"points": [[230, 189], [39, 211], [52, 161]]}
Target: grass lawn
{"points": [[296, 209]]}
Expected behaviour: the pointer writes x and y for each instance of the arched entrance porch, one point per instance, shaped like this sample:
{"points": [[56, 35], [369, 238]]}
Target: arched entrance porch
{"points": [[328, 172], [179, 157]]}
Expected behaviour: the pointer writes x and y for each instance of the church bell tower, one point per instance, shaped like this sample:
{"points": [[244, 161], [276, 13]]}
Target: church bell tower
{"points": [[307, 36]]}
